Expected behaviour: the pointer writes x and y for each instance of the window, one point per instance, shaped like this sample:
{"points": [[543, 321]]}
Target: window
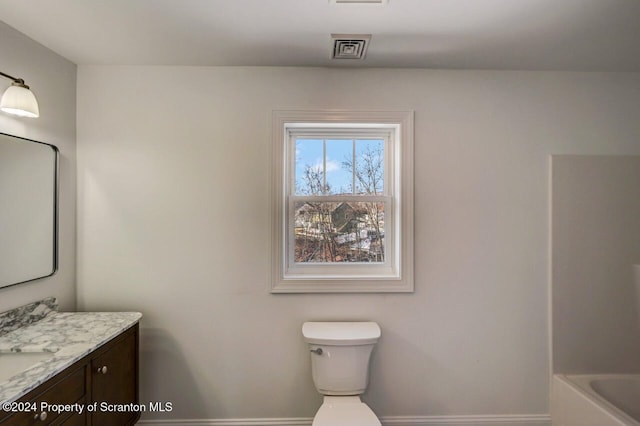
{"points": [[343, 193]]}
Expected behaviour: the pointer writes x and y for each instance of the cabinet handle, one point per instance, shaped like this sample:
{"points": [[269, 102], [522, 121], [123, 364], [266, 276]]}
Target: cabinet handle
{"points": [[102, 370], [42, 416]]}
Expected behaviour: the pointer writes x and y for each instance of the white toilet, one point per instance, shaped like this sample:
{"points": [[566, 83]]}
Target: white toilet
{"points": [[340, 353]]}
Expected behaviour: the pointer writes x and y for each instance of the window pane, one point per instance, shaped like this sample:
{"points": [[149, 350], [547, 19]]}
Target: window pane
{"points": [[309, 172], [339, 232], [370, 166], [339, 166]]}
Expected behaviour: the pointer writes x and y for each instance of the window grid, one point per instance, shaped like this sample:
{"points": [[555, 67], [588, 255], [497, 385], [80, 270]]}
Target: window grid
{"points": [[380, 222], [397, 187], [354, 156]]}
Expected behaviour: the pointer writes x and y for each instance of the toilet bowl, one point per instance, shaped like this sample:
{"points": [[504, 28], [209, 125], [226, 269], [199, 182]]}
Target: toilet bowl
{"points": [[340, 354], [344, 411]]}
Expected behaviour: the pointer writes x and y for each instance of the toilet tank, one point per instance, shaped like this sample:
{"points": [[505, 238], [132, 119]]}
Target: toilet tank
{"points": [[340, 353]]}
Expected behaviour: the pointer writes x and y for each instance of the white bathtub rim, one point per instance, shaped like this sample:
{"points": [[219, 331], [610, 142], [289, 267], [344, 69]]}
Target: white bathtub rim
{"points": [[581, 383]]}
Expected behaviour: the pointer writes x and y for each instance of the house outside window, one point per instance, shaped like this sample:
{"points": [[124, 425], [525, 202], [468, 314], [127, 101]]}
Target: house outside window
{"points": [[343, 195]]}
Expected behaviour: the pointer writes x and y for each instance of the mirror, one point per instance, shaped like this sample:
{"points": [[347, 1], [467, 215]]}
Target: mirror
{"points": [[28, 210]]}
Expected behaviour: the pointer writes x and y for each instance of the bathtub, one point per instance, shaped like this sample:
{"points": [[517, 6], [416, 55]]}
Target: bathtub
{"points": [[596, 400]]}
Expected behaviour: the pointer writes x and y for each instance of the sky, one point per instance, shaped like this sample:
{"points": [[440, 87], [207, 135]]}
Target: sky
{"points": [[309, 152]]}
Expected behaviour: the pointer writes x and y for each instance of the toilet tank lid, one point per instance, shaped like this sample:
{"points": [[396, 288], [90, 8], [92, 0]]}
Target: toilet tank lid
{"points": [[341, 333]]}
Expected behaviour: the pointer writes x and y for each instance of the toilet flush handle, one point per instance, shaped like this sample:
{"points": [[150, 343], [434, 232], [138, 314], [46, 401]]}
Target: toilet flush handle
{"points": [[317, 351]]}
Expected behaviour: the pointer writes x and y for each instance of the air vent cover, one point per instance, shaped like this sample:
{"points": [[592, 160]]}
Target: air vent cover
{"points": [[350, 46]]}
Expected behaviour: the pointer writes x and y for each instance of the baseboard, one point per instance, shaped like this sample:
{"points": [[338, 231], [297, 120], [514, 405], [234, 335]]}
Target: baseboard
{"points": [[230, 422], [484, 420]]}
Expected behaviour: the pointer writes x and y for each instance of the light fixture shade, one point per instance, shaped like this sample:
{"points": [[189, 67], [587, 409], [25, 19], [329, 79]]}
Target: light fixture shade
{"points": [[19, 100]]}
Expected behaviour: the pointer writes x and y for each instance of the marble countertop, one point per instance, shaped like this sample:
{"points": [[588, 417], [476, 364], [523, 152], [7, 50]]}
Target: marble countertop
{"points": [[68, 335]]}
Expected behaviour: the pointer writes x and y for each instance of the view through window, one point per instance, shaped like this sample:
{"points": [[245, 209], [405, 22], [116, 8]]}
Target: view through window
{"points": [[339, 215]]}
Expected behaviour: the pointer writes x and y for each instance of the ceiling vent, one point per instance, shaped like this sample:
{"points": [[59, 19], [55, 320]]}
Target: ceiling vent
{"points": [[350, 46]]}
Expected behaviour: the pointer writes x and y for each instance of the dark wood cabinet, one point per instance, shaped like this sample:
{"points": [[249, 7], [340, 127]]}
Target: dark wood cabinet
{"points": [[106, 379], [65, 388], [114, 383]]}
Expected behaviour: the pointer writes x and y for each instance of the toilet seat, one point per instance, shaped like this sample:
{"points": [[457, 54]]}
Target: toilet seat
{"points": [[345, 410]]}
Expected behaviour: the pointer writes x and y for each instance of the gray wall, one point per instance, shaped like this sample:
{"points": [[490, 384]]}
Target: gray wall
{"points": [[173, 196], [53, 80], [596, 243]]}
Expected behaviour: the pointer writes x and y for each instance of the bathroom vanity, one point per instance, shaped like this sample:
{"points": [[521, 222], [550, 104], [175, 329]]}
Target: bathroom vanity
{"points": [[70, 368]]}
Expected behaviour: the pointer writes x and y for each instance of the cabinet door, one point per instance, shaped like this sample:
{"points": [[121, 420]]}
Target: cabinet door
{"points": [[114, 383], [74, 419], [66, 388]]}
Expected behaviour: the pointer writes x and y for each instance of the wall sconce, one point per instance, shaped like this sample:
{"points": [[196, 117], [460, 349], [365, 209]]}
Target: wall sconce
{"points": [[18, 99]]}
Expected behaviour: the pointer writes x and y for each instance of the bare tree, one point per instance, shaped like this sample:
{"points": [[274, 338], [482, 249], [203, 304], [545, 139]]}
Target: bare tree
{"points": [[369, 172], [320, 246], [342, 231], [313, 181]]}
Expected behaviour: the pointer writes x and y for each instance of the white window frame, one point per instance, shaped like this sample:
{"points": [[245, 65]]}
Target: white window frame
{"points": [[396, 273]]}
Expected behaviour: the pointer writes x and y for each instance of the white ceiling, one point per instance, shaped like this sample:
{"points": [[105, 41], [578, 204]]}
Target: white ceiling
{"points": [[580, 35]]}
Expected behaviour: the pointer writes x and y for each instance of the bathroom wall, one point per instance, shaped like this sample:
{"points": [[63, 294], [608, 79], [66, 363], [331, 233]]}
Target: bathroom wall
{"points": [[173, 221], [596, 243], [53, 80]]}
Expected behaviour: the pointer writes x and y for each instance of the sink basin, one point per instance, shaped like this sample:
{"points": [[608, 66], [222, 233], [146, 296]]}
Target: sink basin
{"points": [[12, 363]]}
